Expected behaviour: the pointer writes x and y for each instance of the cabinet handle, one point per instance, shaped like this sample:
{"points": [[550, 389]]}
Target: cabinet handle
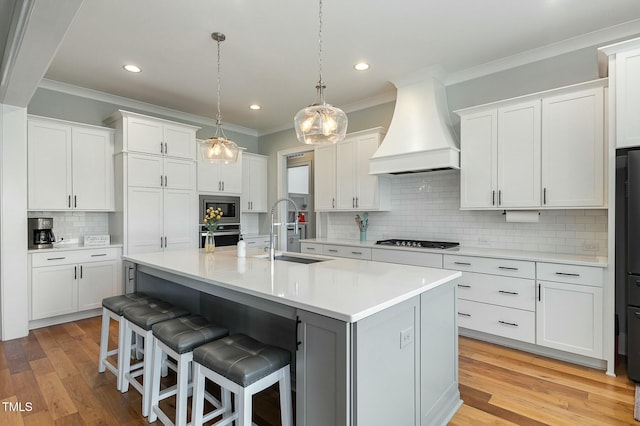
{"points": [[544, 196], [508, 268], [55, 258], [333, 203], [353, 202], [514, 293], [69, 201], [499, 197], [357, 202], [310, 248], [567, 274], [464, 286], [332, 251], [165, 181], [75, 201], [356, 252], [512, 324], [99, 255], [80, 271], [160, 180], [166, 149], [75, 272], [165, 242], [161, 148], [219, 186], [222, 186], [250, 242], [161, 246], [539, 293], [298, 342], [462, 263], [493, 197], [462, 314]]}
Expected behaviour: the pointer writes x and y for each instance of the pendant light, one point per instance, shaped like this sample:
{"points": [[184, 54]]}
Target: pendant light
{"points": [[219, 149], [320, 123]]}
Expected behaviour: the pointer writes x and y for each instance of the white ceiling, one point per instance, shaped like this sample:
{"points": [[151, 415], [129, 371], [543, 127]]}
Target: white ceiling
{"points": [[270, 56]]}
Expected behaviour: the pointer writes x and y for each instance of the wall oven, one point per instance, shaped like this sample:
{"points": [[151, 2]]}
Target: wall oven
{"points": [[228, 229]]}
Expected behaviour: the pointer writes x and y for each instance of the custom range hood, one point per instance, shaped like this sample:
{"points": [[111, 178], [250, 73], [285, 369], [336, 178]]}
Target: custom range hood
{"points": [[420, 136]]}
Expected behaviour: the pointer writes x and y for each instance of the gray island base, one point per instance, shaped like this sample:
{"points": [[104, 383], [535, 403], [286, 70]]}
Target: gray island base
{"points": [[374, 343]]}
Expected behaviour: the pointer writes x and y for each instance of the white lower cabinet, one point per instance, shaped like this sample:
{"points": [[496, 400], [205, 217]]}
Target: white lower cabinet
{"points": [[569, 313], [260, 241], [72, 281]]}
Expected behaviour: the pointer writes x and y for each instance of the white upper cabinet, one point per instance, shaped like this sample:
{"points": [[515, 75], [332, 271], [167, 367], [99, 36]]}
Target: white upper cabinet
{"points": [[254, 183], [573, 149], [541, 150], [70, 166], [215, 178], [149, 135], [324, 178]]}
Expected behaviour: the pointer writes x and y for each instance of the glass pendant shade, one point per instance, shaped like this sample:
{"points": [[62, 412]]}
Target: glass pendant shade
{"points": [[219, 150], [320, 124]]}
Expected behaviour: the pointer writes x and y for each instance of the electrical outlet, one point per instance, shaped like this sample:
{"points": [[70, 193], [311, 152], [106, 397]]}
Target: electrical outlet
{"points": [[406, 337], [590, 246], [483, 241]]}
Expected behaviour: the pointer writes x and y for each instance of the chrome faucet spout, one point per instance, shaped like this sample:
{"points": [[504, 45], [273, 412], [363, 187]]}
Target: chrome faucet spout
{"points": [[272, 249]]}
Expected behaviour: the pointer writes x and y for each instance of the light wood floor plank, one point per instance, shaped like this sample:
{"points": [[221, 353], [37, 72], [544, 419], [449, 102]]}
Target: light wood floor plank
{"points": [[58, 401], [27, 390]]}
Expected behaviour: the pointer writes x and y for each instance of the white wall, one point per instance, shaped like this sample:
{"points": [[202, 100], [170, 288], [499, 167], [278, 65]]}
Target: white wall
{"points": [[426, 207]]}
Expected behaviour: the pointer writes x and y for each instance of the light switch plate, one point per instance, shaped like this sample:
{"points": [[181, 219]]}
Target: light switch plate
{"points": [[406, 337]]}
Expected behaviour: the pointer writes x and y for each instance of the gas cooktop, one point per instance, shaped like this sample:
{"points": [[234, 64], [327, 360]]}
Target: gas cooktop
{"points": [[418, 244]]}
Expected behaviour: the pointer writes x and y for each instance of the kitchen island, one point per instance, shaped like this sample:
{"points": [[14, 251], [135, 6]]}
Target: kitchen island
{"points": [[373, 343]]}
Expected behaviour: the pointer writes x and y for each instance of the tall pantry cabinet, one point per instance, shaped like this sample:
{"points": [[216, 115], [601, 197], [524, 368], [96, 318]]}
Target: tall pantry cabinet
{"points": [[156, 199]]}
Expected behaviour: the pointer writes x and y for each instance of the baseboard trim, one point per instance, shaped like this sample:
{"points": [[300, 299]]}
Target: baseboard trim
{"points": [[61, 319]]}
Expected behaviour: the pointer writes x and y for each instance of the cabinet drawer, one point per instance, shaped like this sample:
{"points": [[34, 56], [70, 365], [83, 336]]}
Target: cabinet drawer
{"points": [[509, 292], [487, 265], [506, 322], [74, 256], [431, 260], [312, 248], [585, 275], [257, 242], [352, 252]]}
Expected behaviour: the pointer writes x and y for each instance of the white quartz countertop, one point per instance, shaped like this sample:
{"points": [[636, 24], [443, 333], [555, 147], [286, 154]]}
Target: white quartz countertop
{"points": [[75, 246], [534, 256], [345, 289]]}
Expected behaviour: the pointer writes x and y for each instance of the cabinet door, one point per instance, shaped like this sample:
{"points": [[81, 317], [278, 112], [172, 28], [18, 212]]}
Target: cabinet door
{"points": [[97, 280], [569, 318], [519, 155], [144, 220], [254, 184], [346, 175], [208, 177], [367, 196], [628, 99], [231, 176], [93, 179], [324, 180], [145, 170], [180, 174], [322, 372], [179, 141], [49, 166], [180, 224], [478, 160], [145, 135], [573, 150], [54, 291]]}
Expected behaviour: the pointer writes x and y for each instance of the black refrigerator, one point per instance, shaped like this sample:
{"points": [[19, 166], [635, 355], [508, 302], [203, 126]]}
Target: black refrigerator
{"points": [[632, 237]]}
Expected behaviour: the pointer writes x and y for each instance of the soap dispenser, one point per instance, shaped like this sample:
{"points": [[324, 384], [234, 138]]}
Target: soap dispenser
{"points": [[242, 247]]}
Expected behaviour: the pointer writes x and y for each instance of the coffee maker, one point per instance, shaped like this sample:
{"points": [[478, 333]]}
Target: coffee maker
{"points": [[40, 231]]}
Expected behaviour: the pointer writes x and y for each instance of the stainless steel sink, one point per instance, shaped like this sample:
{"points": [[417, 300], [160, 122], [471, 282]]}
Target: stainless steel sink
{"points": [[295, 259]]}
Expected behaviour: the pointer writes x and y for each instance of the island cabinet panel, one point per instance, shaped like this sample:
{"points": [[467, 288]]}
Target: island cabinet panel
{"points": [[387, 395], [322, 371]]}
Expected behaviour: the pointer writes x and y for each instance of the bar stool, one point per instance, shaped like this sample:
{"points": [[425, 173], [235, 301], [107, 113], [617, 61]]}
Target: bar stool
{"points": [[112, 308], [243, 366], [177, 338], [139, 319]]}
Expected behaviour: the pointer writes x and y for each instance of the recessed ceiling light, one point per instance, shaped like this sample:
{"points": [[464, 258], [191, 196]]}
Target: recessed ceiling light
{"points": [[254, 107], [132, 68], [361, 66]]}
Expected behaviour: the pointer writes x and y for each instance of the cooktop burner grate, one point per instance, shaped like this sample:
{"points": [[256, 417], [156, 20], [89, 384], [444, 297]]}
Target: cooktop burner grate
{"points": [[418, 244]]}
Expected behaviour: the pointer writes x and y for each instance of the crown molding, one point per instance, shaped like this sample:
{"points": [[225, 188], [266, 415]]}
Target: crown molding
{"points": [[595, 38], [124, 103]]}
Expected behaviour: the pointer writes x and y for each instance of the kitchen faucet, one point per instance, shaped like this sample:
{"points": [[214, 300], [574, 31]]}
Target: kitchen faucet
{"points": [[272, 249]]}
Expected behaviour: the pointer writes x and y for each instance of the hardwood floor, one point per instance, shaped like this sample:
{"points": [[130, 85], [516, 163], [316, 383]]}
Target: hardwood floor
{"points": [[51, 378]]}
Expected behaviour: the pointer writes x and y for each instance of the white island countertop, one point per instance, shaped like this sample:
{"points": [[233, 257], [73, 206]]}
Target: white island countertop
{"points": [[344, 289]]}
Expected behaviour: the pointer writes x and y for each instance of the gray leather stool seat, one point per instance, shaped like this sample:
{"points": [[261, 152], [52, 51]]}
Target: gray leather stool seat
{"points": [[241, 359], [150, 313], [177, 338], [117, 304]]}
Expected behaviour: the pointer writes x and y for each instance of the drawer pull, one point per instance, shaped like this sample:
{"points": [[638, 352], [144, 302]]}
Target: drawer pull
{"points": [[507, 268], [515, 293], [357, 252], [567, 274], [462, 314], [332, 251], [310, 248], [99, 255], [464, 286], [251, 242], [56, 258], [512, 324], [462, 263]]}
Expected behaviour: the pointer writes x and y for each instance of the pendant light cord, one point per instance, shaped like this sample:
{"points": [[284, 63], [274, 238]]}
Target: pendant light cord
{"points": [[320, 85], [219, 114]]}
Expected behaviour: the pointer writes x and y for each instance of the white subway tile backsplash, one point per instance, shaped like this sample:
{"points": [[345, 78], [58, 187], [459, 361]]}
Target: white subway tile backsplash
{"points": [[75, 225], [427, 206]]}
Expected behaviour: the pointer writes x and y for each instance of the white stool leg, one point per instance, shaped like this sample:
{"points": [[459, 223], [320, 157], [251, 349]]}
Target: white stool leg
{"points": [[225, 398], [155, 381], [121, 353], [104, 339], [146, 371], [184, 362], [285, 397], [197, 403], [126, 352], [243, 402]]}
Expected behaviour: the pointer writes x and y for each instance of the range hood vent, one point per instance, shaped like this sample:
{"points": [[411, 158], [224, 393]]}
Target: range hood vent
{"points": [[420, 136]]}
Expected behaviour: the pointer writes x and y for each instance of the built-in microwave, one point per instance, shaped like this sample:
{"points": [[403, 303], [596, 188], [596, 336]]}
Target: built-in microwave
{"points": [[230, 207]]}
